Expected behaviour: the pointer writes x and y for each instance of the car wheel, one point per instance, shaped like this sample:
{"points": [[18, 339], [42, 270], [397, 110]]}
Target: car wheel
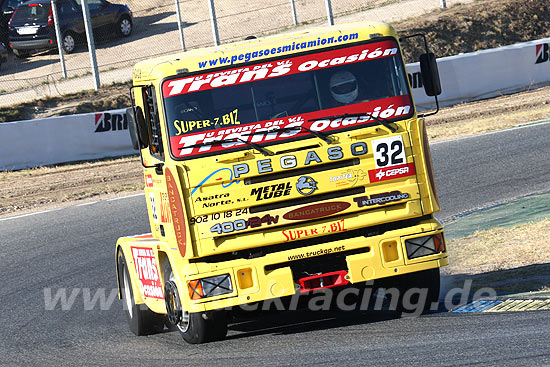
{"points": [[21, 54], [141, 319], [69, 42], [125, 26], [417, 291]]}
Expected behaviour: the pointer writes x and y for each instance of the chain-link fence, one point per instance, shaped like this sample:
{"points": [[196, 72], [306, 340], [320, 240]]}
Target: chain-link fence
{"points": [[156, 33]]}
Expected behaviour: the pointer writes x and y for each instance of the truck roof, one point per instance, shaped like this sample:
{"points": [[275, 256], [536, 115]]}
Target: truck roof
{"points": [[204, 59]]}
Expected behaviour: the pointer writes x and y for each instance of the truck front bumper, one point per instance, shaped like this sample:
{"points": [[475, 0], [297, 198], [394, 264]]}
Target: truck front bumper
{"points": [[362, 258]]}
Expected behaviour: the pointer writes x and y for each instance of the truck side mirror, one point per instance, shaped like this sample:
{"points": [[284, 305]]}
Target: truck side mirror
{"points": [[138, 129], [430, 74]]}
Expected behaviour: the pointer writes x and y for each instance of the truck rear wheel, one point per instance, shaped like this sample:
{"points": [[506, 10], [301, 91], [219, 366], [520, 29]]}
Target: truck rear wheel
{"points": [[141, 319], [195, 328]]}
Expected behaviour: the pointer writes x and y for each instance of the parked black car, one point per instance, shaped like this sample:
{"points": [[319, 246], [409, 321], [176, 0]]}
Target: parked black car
{"points": [[32, 25], [7, 7]]}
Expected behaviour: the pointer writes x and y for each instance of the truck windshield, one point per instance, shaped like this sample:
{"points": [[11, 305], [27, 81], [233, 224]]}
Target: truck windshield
{"points": [[294, 91]]}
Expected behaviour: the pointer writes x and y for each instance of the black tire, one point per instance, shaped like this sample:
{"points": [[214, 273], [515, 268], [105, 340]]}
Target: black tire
{"points": [[194, 328], [411, 290], [21, 54], [124, 26], [141, 319], [68, 42]]}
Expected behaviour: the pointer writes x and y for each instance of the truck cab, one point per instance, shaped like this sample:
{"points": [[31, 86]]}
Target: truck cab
{"points": [[279, 166]]}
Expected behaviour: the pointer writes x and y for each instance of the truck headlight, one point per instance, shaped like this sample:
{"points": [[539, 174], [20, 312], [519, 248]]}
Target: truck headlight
{"points": [[210, 287], [424, 246]]}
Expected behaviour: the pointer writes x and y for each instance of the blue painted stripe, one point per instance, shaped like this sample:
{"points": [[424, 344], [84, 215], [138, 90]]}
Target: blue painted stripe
{"points": [[477, 306]]}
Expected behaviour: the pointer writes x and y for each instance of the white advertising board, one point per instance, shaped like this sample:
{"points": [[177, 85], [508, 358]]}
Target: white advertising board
{"points": [[487, 73], [33, 143]]}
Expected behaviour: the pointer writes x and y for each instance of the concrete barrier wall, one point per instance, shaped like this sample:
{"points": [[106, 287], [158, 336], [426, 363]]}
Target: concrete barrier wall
{"points": [[464, 78], [487, 73], [70, 138]]}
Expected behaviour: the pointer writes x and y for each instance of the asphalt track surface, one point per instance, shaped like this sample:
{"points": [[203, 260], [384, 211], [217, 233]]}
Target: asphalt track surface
{"points": [[73, 248]]}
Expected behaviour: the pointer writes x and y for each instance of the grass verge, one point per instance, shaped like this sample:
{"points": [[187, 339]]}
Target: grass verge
{"points": [[510, 260]]}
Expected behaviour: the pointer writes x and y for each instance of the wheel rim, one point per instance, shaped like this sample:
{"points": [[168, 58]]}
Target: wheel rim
{"points": [[125, 27], [127, 294], [68, 43], [176, 315], [184, 323]]}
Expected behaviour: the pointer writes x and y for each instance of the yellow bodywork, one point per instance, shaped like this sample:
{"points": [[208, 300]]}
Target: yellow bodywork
{"points": [[193, 250]]}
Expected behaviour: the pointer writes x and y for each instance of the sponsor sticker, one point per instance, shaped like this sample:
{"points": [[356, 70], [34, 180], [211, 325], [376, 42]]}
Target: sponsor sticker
{"points": [[271, 191], [296, 234], [270, 70], [176, 211], [349, 177], [165, 209], [267, 131], [217, 176], [390, 173], [316, 210], [149, 181], [153, 208], [380, 199], [242, 224], [306, 185], [147, 272], [388, 151], [184, 127], [542, 53], [214, 200], [107, 121]]}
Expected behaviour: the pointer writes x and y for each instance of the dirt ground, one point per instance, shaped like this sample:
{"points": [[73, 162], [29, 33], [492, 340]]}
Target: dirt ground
{"points": [[47, 187]]}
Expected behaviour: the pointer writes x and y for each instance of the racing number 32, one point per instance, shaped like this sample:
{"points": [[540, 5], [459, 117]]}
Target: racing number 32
{"points": [[388, 151]]}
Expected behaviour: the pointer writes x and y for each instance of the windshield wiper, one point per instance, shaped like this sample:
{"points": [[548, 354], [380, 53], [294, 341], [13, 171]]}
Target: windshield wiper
{"points": [[380, 121], [318, 134], [218, 142]]}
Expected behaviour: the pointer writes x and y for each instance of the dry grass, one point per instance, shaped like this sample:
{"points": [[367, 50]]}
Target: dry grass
{"points": [[501, 249], [489, 115], [43, 187]]}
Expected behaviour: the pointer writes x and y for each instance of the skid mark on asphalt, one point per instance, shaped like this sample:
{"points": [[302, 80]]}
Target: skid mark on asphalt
{"points": [[507, 305]]}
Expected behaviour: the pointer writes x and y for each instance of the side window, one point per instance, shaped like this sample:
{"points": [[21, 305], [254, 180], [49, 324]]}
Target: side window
{"points": [[152, 121], [95, 4], [92, 4], [67, 9]]}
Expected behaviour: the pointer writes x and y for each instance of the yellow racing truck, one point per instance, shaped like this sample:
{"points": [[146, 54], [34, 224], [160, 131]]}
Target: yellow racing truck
{"points": [[275, 167]]}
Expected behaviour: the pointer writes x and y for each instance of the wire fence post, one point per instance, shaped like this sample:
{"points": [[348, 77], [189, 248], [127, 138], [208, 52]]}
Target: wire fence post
{"points": [[91, 45], [178, 13], [294, 18], [214, 22], [443, 4], [329, 12], [59, 41]]}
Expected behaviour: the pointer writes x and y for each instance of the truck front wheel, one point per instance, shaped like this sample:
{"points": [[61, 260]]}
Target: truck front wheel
{"points": [[195, 328], [141, 319], [412, 293]]}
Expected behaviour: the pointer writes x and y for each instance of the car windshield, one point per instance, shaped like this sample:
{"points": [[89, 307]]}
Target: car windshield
{"points": [[32, 13], [243, 102]]}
